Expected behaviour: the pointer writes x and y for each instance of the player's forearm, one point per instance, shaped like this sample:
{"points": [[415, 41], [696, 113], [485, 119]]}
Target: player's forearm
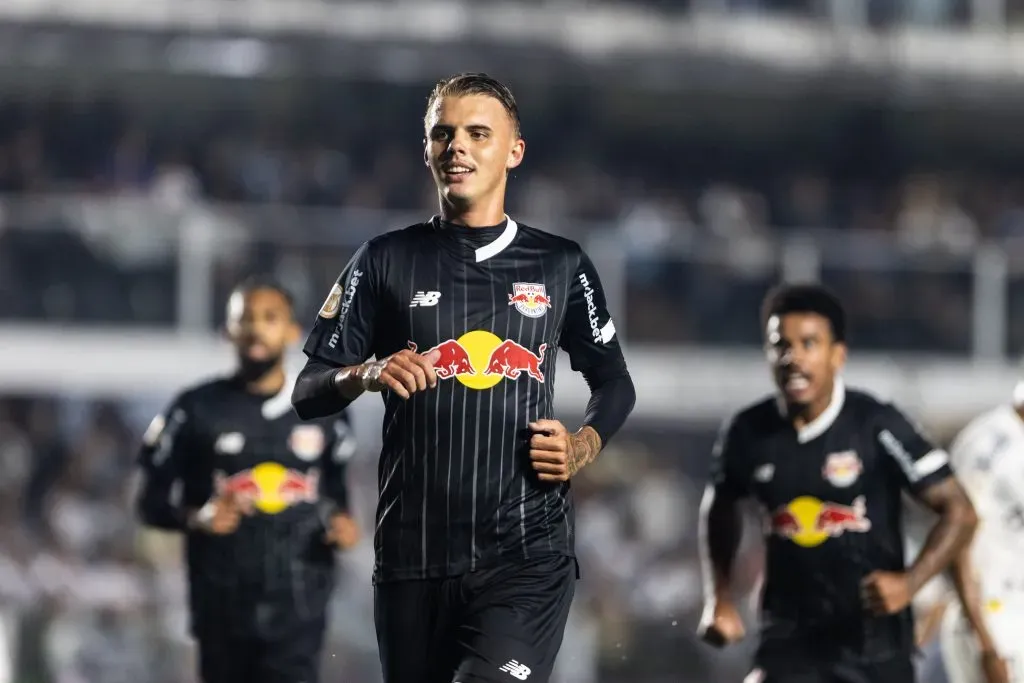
{"points": [[719, 534], [322, 390], [947, 539], [969, 593], [612, 399], [584, 446]]}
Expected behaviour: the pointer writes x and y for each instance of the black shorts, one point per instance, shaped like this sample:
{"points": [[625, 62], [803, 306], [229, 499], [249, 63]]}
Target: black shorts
{"points": [[896, 670], [497, 625], [289, 656]]}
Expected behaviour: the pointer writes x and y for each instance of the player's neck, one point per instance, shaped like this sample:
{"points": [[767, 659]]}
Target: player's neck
{"points": [[268, 383], [484, 214], [804, 415]]}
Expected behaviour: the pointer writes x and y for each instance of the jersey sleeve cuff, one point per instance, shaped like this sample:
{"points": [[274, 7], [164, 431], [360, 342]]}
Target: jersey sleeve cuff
{"points": [[931, 469]]}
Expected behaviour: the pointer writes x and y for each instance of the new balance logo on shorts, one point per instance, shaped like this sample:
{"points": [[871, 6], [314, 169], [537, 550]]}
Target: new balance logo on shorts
{"points": [[516, 670]]}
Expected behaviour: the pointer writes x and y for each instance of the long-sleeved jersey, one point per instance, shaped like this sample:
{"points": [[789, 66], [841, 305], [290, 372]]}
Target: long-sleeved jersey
{"points": [[833, 496], [218, 438], [456, 486]]}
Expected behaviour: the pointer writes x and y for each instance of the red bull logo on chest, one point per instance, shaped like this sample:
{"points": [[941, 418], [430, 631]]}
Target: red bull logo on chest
{"points": [[270, 487], [809, 522], [529, 298], [480, 360]]}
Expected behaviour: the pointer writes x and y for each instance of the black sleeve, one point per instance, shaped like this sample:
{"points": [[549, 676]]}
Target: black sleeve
{"points": [[727, 461], [919, 463], [342, 336], [588, 334], [343, 332], [612, 397], [166, 445], [341, 448]]}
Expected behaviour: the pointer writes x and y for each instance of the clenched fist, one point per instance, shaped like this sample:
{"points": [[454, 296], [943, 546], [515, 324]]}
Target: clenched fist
{"points": [[721, 626], [343, 531], [221, 516], [404, 373], [556, 454], [886, 593]]}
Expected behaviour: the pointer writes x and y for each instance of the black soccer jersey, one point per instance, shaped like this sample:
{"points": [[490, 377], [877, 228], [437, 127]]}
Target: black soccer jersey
{"points": [[832, 494], [218, 437], [456, 486]]}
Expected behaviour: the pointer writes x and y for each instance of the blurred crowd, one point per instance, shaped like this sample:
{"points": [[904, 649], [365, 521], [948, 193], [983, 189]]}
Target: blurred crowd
{"points": [[698, 220], [86, 596]]}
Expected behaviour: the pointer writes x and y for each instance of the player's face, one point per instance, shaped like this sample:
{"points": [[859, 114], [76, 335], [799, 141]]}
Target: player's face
{"points": [[804, 356], [260, 325], [470, 146]]}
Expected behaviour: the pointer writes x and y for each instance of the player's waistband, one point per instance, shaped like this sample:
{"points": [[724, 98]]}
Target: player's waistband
{"points": [[387, 572]]}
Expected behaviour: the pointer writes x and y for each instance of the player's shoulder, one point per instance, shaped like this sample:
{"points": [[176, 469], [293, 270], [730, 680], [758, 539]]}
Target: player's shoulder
{"points": [[761, 417], [533, 236], [203, 392], [868, 408]]}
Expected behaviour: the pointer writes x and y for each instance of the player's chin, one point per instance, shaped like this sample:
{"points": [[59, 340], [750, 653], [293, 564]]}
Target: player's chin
{"points": [[796, 398], [257, 354]]}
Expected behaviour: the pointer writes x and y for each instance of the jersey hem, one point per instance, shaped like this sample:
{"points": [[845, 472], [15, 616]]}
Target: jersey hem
{"points": [[448, 571]]}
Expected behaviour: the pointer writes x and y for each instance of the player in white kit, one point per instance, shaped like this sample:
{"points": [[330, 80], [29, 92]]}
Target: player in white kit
{"points": [[982, 635]]}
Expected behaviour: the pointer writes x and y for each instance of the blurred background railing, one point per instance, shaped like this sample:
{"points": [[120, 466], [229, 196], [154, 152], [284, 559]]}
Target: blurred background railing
{"points": [[149, 261], [152, 153]]}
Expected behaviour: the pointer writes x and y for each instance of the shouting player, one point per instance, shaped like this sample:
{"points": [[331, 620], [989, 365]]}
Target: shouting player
{"points": [[829, 464], [464, 314], [981, 637], [263, 502]]}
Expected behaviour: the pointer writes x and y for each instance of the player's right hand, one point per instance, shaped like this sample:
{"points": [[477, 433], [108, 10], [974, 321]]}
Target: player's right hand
{"points": [[994, 668], [723, 626], [404, 373], [221, 516]]}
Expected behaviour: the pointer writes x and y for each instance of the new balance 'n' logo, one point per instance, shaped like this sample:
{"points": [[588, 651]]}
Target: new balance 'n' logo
{"points": [[425, 299], [516, 670]]}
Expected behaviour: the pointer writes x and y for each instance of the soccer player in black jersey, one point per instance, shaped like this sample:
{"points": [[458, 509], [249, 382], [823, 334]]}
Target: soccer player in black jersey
{"points": [[464, 315], [829, 465], [263, 502]]}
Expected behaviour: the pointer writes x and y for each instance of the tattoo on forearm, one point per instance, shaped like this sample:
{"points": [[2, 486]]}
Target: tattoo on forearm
{"points": [[584, 446]]}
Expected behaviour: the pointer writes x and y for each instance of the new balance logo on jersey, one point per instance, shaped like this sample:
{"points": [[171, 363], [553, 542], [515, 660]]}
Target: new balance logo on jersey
{"points": [[516, 670], [425, 299]]}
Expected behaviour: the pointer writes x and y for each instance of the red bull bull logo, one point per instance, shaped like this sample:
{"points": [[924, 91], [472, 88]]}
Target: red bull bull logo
{"points": [[269, 487], [529, 298], [480, 360], [809, 522]]}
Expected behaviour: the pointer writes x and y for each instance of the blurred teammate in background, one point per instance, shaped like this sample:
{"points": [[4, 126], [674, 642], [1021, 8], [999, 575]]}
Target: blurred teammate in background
{"points": [[263, 502], [830, 465], [475, 564], [982, 635]]}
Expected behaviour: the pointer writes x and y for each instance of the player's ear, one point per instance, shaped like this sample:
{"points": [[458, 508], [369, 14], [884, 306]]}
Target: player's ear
{"points": [[426, 152], [294, 333], [515, 155], [838, 355]]}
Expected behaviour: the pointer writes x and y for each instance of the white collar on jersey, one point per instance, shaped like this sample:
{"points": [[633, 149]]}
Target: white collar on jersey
{"points": [[500, 243], [816, 427], [280, 403]]}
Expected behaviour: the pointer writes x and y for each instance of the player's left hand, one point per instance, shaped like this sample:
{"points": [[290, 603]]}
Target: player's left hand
{"points": [[885, 592], [343, 531], [549, 450]]}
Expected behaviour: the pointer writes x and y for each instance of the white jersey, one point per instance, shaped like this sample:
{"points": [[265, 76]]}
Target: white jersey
{"points": [[988, 457]]}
